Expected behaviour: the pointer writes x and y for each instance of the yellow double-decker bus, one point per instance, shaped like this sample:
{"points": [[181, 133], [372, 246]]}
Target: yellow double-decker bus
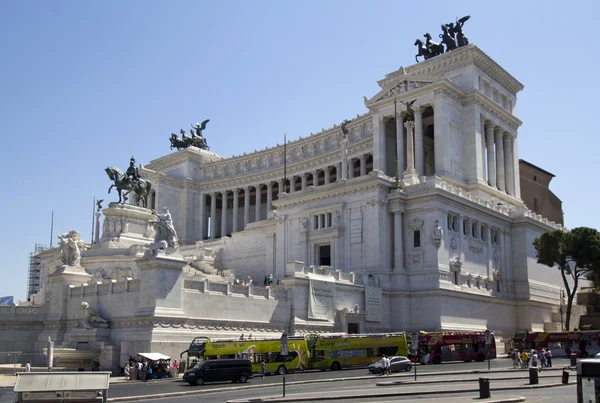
{"points": [[336, 351], [314, 351], [257, 350]]}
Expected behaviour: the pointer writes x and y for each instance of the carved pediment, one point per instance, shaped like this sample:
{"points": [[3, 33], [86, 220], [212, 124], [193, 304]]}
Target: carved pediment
{"points": [[398, 87]]}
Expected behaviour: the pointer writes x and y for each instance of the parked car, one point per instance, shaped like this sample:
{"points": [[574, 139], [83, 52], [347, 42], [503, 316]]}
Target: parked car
{"points": [[234, 370], [397, 364]]}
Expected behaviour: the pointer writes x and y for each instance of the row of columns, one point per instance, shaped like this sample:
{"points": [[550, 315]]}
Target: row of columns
{"points": [[500, 158], [258, 216]]}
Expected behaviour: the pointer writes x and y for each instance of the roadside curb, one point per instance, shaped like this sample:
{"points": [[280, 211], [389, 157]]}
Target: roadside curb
{"points": [[397, 394]]}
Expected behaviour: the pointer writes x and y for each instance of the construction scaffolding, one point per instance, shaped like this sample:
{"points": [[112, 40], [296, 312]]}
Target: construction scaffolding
{"points": [[33, 278]]}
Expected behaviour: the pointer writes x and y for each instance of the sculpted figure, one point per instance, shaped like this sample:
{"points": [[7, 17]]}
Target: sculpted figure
{"points": [[165, 231], [132, 174], [437, 233], [460, 37], [130, 181], [434, 48], [70, 244], [90, 319]]}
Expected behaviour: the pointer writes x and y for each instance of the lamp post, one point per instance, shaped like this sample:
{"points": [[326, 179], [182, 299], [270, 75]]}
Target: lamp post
{"points": [[283, 350], [488, 342]]}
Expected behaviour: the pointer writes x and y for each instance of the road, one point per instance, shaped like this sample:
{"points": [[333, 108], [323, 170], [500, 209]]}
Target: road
{"points": [[444, 378]]}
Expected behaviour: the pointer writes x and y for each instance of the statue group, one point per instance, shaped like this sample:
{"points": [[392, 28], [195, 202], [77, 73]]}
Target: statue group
{"points": [[130, 181], [195, 139], [452, 37]]}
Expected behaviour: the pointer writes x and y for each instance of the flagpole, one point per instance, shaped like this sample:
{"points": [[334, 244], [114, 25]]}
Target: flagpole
{"points": [[93, 206], [51, 228]]}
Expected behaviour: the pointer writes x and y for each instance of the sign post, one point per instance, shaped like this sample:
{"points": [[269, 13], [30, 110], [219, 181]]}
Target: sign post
{"points": [[488, 342], [283, 350]]}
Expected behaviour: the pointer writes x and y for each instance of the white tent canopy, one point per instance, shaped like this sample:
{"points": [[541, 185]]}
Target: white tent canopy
{"points": [[154, 356]]}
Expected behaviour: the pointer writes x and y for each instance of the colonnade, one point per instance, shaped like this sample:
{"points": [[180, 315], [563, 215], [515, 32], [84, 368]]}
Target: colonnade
{"points": [[500, 158], [218, 224]]}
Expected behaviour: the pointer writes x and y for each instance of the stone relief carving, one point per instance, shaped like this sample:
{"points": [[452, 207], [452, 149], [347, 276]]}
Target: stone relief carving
{"points": [[125, 226], [453, 243], [304, 223], [337, 218], [415, 259], [90, 319], [496, 256], [475, 249], [436, 234]]}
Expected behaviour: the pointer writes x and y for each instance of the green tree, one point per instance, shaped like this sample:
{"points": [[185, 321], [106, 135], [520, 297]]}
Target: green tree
{"points": [[577, 255]]}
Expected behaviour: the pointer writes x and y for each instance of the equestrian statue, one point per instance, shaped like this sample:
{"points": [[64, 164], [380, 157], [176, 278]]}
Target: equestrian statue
{"points": [[130, 181]]}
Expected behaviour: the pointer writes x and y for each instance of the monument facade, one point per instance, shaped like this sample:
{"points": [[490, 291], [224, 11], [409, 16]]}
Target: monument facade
{"points": [[406, 217]]}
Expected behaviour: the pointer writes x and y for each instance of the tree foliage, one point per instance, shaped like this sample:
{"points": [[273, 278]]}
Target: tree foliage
{"points": [[575, 253]]}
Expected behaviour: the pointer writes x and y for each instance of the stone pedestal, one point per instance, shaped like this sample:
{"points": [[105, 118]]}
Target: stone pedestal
{"points": [[161, 286], [127, 224]]}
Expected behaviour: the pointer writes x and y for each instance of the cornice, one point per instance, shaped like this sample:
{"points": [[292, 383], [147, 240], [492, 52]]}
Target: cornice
{"points": [[467, 55], [491, 108]]}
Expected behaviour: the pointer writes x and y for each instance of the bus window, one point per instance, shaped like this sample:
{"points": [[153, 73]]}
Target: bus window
{"points": [[389, 351], [319, 355]]}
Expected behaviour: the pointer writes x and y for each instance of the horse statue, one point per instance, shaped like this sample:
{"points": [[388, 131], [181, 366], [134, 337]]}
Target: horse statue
{"points": [[177, 142], [423, 51], [141, 187], [448, 36], [434, 48]]}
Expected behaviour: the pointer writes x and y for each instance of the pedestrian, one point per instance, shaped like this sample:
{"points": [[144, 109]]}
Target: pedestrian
{"points": [[534, 359], [388, 366], [543, 358], [28, 366], [175, 369], [525, 359], [383, 364], [549, 358], [263, 369], [126, 372], [266, 282]]}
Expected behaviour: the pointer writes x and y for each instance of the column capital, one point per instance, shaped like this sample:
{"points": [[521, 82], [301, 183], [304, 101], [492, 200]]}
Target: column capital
{"points": [[223, 192], [269, 184], [488, 124], [508, 135], [236, 190], [498, 129]]}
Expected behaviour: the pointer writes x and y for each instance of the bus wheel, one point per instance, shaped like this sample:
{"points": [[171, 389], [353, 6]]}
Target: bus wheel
{"points": [[281, 370], [480, 358], [437, 360], [336, 366]]}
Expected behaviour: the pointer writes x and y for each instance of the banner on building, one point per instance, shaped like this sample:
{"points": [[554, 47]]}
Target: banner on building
{"points": [[373, 303], [5, 301], [321, 296]]}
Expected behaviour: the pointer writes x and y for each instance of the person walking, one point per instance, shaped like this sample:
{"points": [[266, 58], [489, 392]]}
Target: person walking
{"points": [[534, 359], [525, 359], [543, 360], [126, 372], [383, 365], [175, 369], [28, 366], [388, 365], [549, 358], [263, 369]]}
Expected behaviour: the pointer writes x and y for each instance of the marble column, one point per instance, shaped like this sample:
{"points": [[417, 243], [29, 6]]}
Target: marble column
{"points": [[378, 143], [269, 197], [258, 203], [351, 168], [236, 207], [327, 176], [363, 165], [400, 144], [303, 177], [292, 183], [281, 184], [509, 164], [419, 150], [315, 175], [410, 175], [516, 176], [224, 213], [213, 215], [491, 166], [246, 206], [398, 243], [344, 157], [500, 177]]}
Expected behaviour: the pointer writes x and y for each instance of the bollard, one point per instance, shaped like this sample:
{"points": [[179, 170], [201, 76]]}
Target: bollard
{"points": [[573, 357], [416, 370], [283, 376], [484, 388], [533, 376], [565, 376]]}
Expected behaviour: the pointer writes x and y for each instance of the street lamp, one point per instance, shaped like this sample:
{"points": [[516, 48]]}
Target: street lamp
{"points": [[488, 341]]}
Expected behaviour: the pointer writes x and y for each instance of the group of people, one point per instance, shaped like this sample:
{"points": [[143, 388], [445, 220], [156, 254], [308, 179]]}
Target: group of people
{"points": [[268, 281], [149, 370], [532, 358], [385, 365]]}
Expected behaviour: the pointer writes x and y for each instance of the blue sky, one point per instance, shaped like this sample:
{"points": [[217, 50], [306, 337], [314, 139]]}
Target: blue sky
{"points": [[85, 85]]}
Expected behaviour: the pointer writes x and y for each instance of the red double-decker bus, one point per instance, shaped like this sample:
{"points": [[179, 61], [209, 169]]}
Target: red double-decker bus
{"points": [[584, 343], [438, 347]]}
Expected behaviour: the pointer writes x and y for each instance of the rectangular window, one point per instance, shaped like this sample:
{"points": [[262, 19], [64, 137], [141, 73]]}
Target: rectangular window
{"points": [[475, 230], [484, 233], [329, 220], [466, 227], [495, 237], [316, 222], [417, 238], [452, 222], [456, 278]]}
